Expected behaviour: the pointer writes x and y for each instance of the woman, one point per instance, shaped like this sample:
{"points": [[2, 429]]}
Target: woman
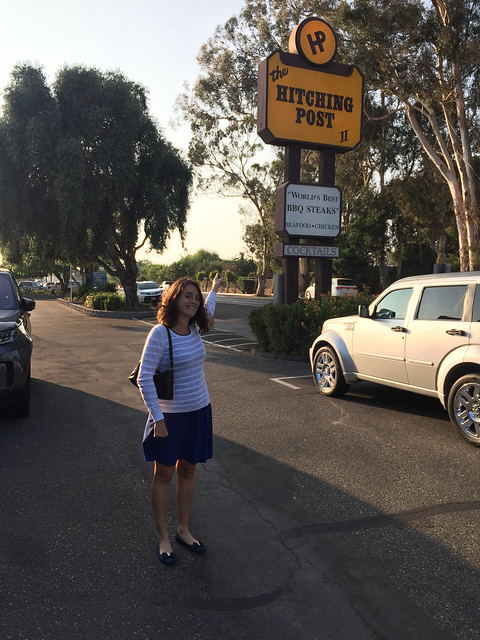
{"points": [[178, 434]]}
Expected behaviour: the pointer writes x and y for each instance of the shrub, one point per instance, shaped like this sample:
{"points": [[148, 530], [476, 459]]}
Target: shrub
{"points": [[35, 293], [109, 301], [82, 291], [247, 285], [257, 320], [108, 287], [229, 278], [290, 329], [201, 276]]}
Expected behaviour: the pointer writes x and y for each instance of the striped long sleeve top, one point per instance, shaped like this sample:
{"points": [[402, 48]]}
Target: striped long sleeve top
{"points": [[189, 386]]}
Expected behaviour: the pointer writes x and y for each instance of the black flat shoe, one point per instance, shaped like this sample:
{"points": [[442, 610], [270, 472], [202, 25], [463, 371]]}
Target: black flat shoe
{"points": [[196, 547], [166, 558]]}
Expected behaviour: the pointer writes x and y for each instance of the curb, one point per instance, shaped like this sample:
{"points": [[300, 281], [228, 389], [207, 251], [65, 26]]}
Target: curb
{"points": [[97, 313]]}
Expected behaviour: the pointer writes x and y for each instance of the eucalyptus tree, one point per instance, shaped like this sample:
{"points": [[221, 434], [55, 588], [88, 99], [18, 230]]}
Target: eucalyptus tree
{"points": [[28, 137], [85, 165], [221, 110], [425, 57]]}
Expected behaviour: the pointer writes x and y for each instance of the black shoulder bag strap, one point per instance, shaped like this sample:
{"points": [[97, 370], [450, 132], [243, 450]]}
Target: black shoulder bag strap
{"points": [[170, 347]]}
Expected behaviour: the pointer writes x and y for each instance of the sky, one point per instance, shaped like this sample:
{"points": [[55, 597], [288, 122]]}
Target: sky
{"points": [[152, 42]]}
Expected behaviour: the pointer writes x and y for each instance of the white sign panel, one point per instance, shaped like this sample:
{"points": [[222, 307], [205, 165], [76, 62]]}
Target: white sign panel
{"points": [[307, 251], [312, 211]]}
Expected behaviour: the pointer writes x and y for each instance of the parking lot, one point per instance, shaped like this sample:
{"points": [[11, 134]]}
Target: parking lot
{"points": [[323, 518]]}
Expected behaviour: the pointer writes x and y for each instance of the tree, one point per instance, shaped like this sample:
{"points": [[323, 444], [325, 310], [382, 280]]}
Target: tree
{"points": [[427, 61], [426, 212], [86, 166], [221, 109], [420, 67], [188, 266], [421, 62], [28, 137]]}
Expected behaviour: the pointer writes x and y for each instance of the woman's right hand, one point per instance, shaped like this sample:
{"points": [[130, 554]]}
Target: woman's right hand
{"points": [[160, 429], [218, 281]]}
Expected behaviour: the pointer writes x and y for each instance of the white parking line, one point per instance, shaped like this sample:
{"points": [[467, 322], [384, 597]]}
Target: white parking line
{"points": [[228, 340], [217, 332], [213, 334], [287, 384], [221, 346]]}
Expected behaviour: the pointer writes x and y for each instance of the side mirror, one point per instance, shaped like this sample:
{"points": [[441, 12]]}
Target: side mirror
{"points": [[28, 304], [363, 311]]}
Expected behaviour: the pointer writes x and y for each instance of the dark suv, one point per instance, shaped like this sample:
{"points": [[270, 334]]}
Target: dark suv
{"points": [[15, 346]]}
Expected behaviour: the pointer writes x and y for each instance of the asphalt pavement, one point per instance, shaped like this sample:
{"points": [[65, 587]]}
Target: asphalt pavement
{"points": [[307, 536]]}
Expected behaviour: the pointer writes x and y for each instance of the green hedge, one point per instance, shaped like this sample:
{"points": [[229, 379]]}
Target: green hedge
{"points": [[107, 301], [247, 285], [290, 329], [36, 293]]}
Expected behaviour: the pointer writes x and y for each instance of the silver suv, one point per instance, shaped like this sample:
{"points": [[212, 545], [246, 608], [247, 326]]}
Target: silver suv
{"points": [[422, 334], [148, 292]]}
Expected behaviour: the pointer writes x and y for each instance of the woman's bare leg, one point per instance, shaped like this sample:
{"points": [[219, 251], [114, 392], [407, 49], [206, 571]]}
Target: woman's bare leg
{"points": [[160, 494], [185, 493]]}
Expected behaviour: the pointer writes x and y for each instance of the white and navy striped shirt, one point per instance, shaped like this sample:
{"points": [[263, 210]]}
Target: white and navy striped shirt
{"points": [[189, 386]]}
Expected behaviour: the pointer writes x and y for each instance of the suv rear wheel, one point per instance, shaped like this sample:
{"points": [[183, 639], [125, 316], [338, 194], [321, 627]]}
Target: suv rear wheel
{"points": [[327, 373], [464, 407]]}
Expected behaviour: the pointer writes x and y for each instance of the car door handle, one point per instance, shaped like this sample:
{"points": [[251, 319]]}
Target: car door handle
{"points": [[399, 329], [455, 332]]}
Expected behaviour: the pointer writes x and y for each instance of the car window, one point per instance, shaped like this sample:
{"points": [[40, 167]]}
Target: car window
{"points": [[345, 282], [8, 299], [393, 305], [442, 303], [143, 286], [476, 305]]}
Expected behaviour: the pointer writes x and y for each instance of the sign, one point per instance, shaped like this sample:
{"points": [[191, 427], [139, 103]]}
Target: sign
{"points": [[314, 40], [307, 211], [300, 103], [99, 278], [305, 251]]}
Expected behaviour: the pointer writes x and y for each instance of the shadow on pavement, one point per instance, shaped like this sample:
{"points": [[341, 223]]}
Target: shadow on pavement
{"points": [[78, 556]]}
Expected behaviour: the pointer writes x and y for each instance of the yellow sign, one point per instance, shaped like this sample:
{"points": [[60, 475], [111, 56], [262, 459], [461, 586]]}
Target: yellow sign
{"points": [[314, 40], [307, 105]]}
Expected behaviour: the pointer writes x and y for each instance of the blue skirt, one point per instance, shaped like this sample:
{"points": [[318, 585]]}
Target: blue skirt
{"points": [[189, 438]]}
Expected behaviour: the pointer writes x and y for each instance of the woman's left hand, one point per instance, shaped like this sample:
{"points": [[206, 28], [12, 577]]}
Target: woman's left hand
{"points": [[218, 281], [160, 429]]}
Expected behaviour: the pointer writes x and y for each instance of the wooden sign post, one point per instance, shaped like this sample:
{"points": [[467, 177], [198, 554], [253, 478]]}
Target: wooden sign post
{"points": [[307, 101]]}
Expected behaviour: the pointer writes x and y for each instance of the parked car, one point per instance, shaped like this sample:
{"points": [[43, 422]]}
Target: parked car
{"points": [[339, 287], [15, 346], [148, 292], [165, 284], [29, 284], [422, 334], [51, 286]]}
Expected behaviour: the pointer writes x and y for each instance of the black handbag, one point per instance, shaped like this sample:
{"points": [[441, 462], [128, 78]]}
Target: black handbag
{"points": [[163, 379]]}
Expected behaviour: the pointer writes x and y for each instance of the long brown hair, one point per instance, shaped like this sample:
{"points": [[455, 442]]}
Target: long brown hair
{"points": [[168, 313]]}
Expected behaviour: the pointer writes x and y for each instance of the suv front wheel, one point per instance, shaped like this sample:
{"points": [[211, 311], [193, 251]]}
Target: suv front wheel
{"points": [[20, 408], [464, 407], [327, 373]]}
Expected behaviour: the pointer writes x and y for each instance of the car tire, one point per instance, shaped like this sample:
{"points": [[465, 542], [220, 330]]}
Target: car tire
{"points": [[327, 373], [21, 406], [464, 407], [308, 295]]}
